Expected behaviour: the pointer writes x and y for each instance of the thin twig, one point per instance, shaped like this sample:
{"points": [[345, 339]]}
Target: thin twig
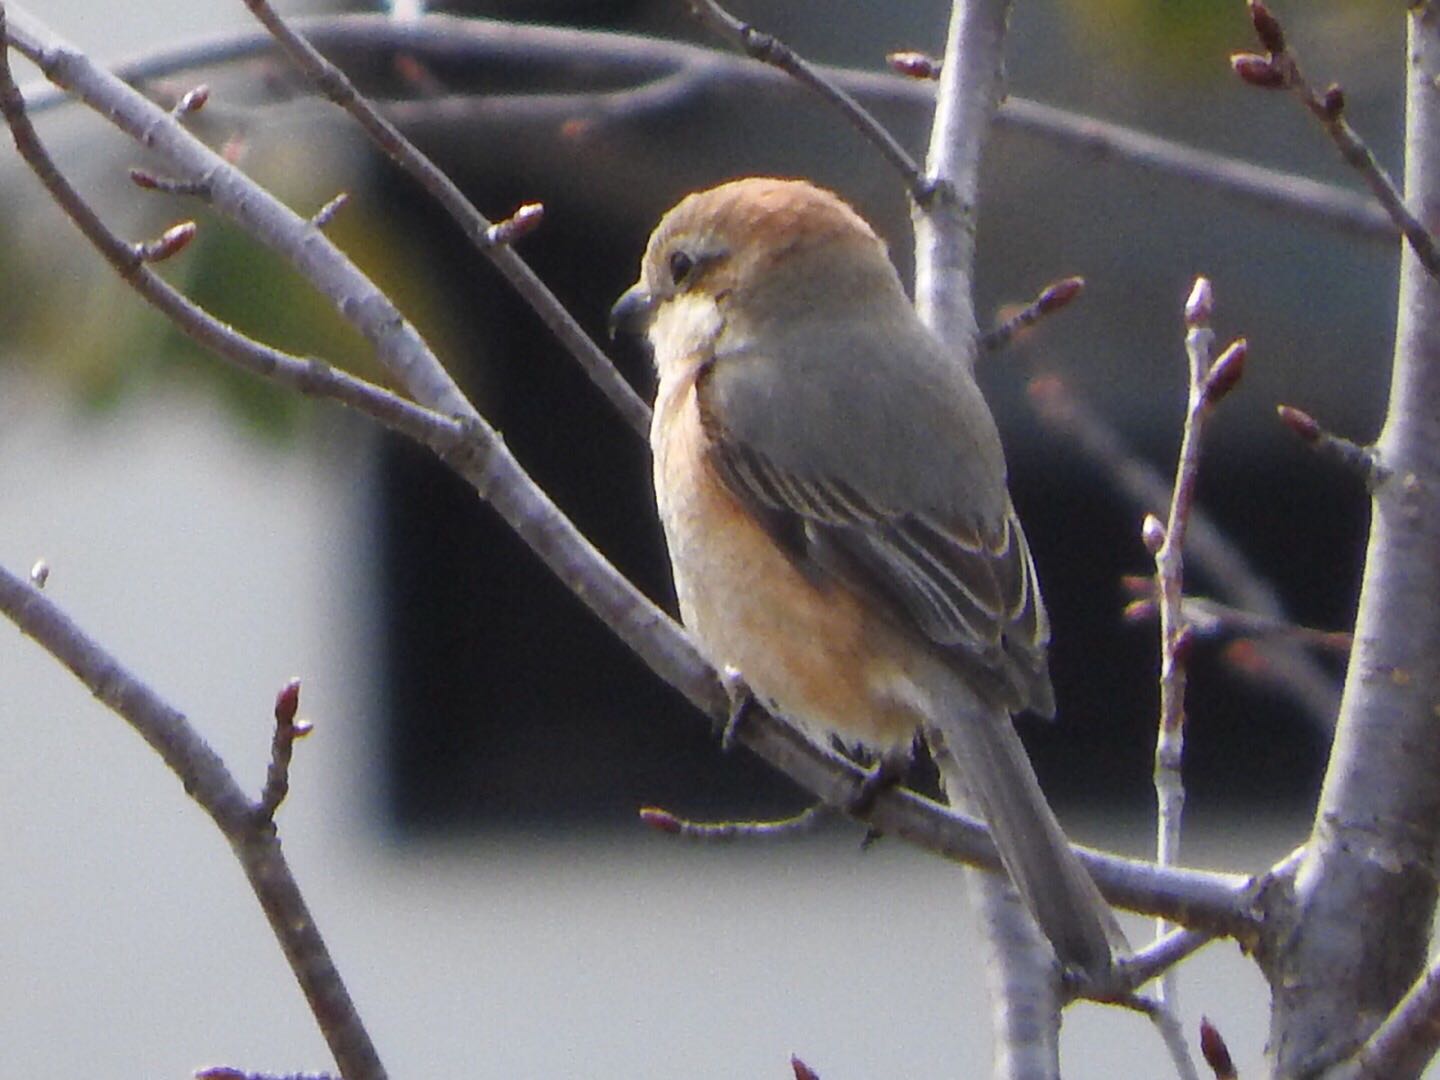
{"points": [[205, 778], [282, 747], [807, 821], [1211, 619], [1052, 298], [1205, 899], [1408, 1039], [1020, 965], [1279, 69], [333, 83], [1171, 1033], [769, 49], [1161, 955], [687, 71], [1362, 461], [1207, 547], [1208, 383], [397, 344]]}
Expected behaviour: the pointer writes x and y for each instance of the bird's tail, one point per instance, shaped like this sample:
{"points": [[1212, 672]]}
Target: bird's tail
{"points": [[981, 754]]}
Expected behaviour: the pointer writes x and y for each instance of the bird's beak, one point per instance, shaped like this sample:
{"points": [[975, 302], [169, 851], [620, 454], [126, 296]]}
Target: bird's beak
{"points": [[631, 313]]}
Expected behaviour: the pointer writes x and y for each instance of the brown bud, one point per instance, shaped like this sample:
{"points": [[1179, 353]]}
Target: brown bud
{"points": [[1267, 27], [193, 100], [1225, 373], [1300, 422], [525, 220], [1138, 611], [1257, 70], [1332, 103], [1055, 296], [172, 241], [142, 179], [1214, 1051], [913, 65], [802, 1071], [287, 703], [1200, 304], [659, 820]]}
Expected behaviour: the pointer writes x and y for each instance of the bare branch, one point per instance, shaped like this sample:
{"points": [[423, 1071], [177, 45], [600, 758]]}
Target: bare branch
{"points": [[282, 747], [1208, 384], [660, 74], [771, 50], [1054, 297], [807, 821], [333, 83], [397, 344], [1208, 900], [1207, 547], [1171, 1034], [251, 834], [1408, 1039], [1281, 70], [1366, 887], [1363, 461]]}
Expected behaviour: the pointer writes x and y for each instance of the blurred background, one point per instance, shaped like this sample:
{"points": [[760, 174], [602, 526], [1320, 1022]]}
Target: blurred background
{"points": [[464, 818]]}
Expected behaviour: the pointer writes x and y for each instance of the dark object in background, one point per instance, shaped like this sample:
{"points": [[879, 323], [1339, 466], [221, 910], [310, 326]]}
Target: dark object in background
{"points": [[509, 704]]}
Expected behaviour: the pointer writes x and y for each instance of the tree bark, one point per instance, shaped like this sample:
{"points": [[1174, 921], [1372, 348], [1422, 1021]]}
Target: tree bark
{"points": [[1364, 897]]}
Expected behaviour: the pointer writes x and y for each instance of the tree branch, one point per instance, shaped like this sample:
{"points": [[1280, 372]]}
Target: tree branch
{"points": [[1210, 901], [1365, 891], [249, 830], [657, 75]]}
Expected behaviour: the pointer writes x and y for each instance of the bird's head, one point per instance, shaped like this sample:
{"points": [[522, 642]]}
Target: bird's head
{"points": [[750, 251]]}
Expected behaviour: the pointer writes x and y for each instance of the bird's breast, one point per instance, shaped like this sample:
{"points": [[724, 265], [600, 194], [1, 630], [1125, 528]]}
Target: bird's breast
{"points": [[812, 648]]}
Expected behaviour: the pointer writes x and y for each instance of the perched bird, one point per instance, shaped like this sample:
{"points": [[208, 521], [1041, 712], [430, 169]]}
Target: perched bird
{"points": [[833, 494]]}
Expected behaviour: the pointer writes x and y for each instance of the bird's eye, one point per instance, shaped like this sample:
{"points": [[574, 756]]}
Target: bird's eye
{"points": [[680, 265]]}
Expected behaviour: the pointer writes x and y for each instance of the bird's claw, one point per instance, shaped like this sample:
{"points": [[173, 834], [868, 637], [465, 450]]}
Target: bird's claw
{"points": [[742, 699]]}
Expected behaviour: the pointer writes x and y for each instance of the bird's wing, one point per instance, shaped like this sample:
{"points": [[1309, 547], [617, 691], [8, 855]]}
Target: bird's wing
{"points": [[961, 576]]}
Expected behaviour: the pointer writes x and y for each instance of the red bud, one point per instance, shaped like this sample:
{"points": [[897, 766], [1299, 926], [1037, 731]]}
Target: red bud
{"points": [[1225, 373], [1056, 296], [1215, 1052], [193, 100], [1300, 422], [1267, 27], [172, 241], [1138, 611], [1258, 71], [525, 220], [914, 65], [659, 820], [802, 1071], [287, 702]]}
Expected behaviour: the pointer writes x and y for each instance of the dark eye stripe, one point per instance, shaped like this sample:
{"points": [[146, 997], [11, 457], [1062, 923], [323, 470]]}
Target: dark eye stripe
{"points": [[680, 265]]}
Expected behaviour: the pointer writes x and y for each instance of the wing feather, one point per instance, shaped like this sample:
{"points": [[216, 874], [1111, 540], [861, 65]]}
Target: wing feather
{"points": [[971, 591]]}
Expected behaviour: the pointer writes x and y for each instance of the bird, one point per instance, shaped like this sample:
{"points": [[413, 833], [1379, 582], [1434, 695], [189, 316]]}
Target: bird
{"points": [[833, 495]]}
